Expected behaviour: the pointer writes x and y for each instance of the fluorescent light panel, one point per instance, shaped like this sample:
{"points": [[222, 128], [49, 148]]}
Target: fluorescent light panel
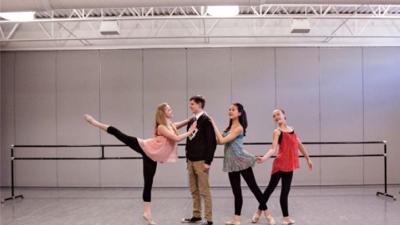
{"points": [[223, 10], [18, 16]]}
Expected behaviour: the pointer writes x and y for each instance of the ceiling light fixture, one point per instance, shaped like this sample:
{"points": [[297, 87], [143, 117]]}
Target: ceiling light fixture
{"points": [[300, 26], [18, 16], [223, 10]]}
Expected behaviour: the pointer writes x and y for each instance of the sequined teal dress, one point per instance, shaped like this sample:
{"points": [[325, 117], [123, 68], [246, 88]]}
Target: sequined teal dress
{"points": [[235, 157]]}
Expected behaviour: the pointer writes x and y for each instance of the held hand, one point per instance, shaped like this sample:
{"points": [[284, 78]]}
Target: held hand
{"points": [[206, 168], [260, 159], [310, 164]]}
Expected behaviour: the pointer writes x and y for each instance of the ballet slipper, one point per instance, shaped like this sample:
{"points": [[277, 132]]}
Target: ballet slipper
{"points": [[256, 217], [288, 221], [148, 220], [270, 220], [89, 119], [232, 222]]}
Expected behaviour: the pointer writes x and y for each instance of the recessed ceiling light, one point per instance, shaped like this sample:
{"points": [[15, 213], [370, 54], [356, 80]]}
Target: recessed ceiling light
{"points": [[18, 16], [223, 10]]}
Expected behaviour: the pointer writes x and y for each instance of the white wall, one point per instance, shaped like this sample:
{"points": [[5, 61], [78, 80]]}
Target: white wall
{"points": [[7, 112], [330, 94], [341, 102]]}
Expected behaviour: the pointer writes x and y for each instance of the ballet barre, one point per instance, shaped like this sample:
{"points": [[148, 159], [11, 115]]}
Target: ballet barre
{"points": [[103, 147]]}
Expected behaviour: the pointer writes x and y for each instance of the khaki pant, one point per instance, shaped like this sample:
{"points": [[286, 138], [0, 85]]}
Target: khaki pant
{"points": [[200, 189]]}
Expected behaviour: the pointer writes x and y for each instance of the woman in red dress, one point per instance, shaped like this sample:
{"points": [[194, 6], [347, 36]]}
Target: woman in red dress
{"points": [[287, 143]]}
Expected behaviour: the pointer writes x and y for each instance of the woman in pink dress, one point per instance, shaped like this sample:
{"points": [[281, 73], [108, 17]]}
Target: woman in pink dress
{"points": [[288, 145], [161, 148]]}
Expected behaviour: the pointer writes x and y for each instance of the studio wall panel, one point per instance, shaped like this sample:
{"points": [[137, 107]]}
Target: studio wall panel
{"points": [[297, 75], [78, 74], [172, 174], [253, 85], [121, 94], [329, 94], [121, 101], [35, 116], [121, 173], [382, 109], [7, 112], [341, 113], [209, 75], [165, 80], [297, 83]]}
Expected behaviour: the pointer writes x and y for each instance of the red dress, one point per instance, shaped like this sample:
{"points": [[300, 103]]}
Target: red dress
{"points": [[287, 159]]}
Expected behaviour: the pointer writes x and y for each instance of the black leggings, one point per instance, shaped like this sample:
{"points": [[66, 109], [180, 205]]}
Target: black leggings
{"points": [[286, 183], [248, 175], [149, 166]]}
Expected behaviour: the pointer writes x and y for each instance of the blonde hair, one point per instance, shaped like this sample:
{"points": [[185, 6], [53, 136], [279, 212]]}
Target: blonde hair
{"points": [[161, 119]]}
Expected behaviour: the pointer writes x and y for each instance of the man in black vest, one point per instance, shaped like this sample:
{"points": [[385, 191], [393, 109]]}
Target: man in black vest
{"points": [[200, 149]]}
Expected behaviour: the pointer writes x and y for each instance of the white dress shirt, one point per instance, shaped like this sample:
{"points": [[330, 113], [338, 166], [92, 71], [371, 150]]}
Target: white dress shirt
{"points": [[199, 114]]}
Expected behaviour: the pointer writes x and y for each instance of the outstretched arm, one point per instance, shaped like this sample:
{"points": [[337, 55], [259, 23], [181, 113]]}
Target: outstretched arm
{"points": [[182, 123], [164, 131], [95, 123], [273, 149], [303, 151]]}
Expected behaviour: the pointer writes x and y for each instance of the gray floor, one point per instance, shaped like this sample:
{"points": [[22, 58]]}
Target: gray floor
{"points": [[92, 206]]}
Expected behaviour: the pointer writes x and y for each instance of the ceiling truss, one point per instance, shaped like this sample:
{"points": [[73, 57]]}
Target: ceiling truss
{"points": [[170, 26]]}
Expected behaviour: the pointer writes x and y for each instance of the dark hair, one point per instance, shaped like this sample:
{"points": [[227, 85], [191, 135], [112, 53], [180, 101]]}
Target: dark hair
{"points": [[242, 118], [199, 100]]}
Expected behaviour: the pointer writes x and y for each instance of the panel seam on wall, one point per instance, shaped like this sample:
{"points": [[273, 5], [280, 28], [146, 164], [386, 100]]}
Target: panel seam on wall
{"points": [[142, 57], [319, 113], [14, 98], [275, 80], [56, 108], [231, 73], [14, 117], [187, 80], [99, 161], [363, 111]]}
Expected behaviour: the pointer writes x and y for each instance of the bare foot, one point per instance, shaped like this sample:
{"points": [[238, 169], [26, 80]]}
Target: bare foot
{"points": [[89, 118]]}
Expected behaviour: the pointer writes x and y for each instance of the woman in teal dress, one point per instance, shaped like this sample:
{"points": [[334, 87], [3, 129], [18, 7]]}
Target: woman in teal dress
{"points": [[237, 161]]}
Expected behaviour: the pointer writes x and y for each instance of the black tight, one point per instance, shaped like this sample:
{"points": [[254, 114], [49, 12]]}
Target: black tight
{"points": [[248, 175], [149, 166], [286, 183]]}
